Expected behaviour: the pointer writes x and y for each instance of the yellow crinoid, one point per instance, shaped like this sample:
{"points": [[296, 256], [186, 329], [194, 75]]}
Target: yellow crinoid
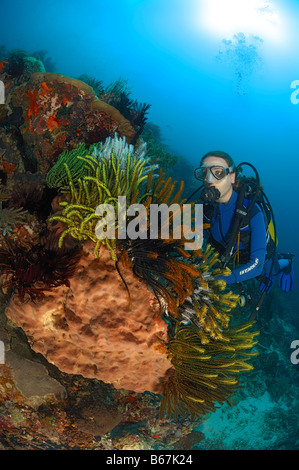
{"points": [[111, 170], [205, 375]]}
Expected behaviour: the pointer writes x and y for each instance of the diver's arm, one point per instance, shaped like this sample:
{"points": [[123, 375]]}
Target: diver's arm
{"points": [[258, 248]]}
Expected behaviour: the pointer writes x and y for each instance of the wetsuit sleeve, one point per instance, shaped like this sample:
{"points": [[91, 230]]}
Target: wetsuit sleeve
{"points": [[258, 248]]}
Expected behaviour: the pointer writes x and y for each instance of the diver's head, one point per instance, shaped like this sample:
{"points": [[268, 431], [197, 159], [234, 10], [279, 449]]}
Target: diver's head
{"points": [[217, 171]]}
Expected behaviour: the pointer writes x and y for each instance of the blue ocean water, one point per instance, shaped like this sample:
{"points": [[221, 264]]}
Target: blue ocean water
{"points": [[208, 89], [210, 86]]}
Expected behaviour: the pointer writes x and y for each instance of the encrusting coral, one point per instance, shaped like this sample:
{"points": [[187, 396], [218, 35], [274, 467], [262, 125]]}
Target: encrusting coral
{"points": [[58, 113], [140, 313]]}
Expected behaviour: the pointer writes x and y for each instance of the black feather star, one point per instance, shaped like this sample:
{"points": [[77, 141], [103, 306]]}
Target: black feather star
{"points": [[31, 272]]}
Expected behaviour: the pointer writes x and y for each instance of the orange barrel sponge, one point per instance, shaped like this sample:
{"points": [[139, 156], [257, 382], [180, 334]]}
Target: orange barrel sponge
{"points": [[90, 328]]}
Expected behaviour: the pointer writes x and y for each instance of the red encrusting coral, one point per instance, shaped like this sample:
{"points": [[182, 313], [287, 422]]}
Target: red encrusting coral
{"points": [[33, 109], [45, 88], [53, 123], [8, 168], [2, 64]]}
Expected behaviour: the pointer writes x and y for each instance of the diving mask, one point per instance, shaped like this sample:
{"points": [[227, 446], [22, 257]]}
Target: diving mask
{"points": [[211, 173]]}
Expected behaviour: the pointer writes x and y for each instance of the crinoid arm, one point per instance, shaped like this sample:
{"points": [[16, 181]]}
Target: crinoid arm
{"points": [[10, 218], [205, 376]]}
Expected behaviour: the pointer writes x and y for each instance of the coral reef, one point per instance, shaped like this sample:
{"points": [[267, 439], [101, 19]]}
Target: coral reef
{"points": [[48, 63], [11, 160], [96, 85], [59, 112], [21, 65], [105, 323], [43, 408], [140, 319], [117, 94], [262, 415], [30, 192]]}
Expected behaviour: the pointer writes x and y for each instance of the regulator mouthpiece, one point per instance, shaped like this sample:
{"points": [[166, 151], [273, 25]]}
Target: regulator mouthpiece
{"points": [[210, 194]]}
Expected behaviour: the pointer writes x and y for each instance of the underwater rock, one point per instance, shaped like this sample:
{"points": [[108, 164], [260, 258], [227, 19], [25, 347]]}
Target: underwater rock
{"points": [[90, 328], [29, 377], [97, 420], [33, 381], [58, 112]]}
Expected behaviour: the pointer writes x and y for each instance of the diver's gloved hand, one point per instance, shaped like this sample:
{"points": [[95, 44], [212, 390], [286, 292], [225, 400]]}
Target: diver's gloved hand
{"points": [[286, 278], [267, 284]]}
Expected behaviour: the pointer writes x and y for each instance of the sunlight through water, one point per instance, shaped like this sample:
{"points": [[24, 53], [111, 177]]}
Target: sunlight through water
{"points": [[225, 18]]}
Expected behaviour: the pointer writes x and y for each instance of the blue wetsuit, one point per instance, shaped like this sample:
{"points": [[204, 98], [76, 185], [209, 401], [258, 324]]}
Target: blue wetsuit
{"points": [[221, 221]]}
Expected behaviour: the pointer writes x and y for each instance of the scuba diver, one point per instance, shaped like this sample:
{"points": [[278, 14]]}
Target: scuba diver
{"points": [[241, 225]]}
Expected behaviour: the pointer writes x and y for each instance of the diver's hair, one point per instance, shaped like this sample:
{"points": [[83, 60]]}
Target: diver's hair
{"points": [[219, 153]]}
